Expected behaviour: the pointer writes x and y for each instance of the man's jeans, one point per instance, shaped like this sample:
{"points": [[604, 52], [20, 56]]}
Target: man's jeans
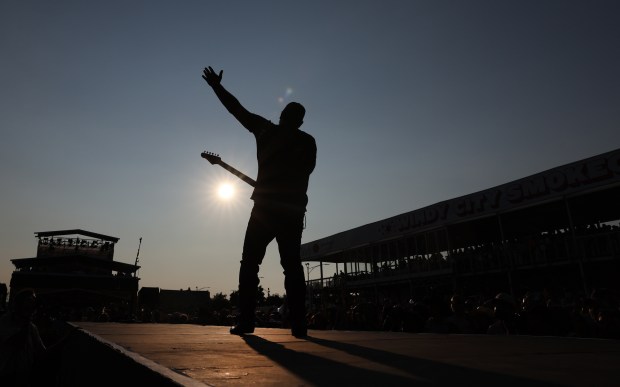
{"points": [[286, 227]]}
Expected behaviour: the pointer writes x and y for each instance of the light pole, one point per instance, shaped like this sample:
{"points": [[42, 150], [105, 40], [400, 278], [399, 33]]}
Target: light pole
{"points": [[308, 271]]}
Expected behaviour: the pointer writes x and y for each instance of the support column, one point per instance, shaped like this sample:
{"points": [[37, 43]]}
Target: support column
{"points": [[580, 253], [452, 261], [503, 250]]}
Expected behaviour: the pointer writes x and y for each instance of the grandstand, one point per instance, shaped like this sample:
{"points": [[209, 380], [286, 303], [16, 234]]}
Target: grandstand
{"points": [[557, 228]]}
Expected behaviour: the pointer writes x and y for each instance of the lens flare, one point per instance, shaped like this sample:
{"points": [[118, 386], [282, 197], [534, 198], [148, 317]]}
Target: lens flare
{"points": [[287, 93]]}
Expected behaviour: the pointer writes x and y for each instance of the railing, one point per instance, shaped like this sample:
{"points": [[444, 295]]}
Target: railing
{"points": [[543, 250], [53, 247]]}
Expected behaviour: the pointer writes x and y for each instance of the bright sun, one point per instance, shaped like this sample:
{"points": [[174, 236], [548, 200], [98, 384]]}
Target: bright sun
{"points": [[225, 191]]}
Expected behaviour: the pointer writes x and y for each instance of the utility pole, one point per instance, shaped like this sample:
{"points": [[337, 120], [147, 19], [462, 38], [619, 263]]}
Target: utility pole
{"points": [[135, 274]]}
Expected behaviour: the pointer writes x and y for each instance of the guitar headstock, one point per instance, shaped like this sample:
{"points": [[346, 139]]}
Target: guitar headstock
{"points": [[211, 157]]}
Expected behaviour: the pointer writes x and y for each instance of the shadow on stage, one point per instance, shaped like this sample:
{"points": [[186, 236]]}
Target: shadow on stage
{"points": [[400, 369]]}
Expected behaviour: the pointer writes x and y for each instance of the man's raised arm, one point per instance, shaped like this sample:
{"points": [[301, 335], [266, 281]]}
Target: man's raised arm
{"points": [[228, 100]]}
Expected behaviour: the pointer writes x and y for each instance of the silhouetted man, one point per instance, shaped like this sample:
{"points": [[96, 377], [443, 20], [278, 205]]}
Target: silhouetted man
{"points": [[286, 158]]}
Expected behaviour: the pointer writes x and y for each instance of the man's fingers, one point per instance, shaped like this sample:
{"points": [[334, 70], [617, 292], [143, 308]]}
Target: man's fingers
{"points": [[210, 74]]}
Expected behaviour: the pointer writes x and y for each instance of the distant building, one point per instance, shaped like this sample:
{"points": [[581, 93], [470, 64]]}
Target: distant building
{"points": [[75, 270], [192, 303]]}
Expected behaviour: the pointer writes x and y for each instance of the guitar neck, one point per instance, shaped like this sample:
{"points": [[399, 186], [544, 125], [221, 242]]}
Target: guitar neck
{"points": [[237, 173]]}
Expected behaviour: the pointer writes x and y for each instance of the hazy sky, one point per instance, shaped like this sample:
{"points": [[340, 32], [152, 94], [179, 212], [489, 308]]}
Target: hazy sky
{"points": [[103, 114]]}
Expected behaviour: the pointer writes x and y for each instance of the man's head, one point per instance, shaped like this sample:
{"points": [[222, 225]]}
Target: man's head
{"points": [[293, 115]]}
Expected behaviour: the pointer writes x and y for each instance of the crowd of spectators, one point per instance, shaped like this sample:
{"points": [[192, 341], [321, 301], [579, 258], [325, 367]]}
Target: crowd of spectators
{"points": [[539, 313], [529, 312]]}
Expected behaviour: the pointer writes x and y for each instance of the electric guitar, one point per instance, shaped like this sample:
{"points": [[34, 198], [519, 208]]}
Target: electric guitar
{"points": [[216, 159]]}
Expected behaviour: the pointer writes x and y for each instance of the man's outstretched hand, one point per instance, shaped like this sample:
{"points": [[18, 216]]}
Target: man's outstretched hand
{"points": [[211, 77]]}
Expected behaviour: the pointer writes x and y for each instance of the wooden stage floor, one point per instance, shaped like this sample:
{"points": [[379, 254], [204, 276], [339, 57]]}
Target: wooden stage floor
{"points": [[272, 357]]}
